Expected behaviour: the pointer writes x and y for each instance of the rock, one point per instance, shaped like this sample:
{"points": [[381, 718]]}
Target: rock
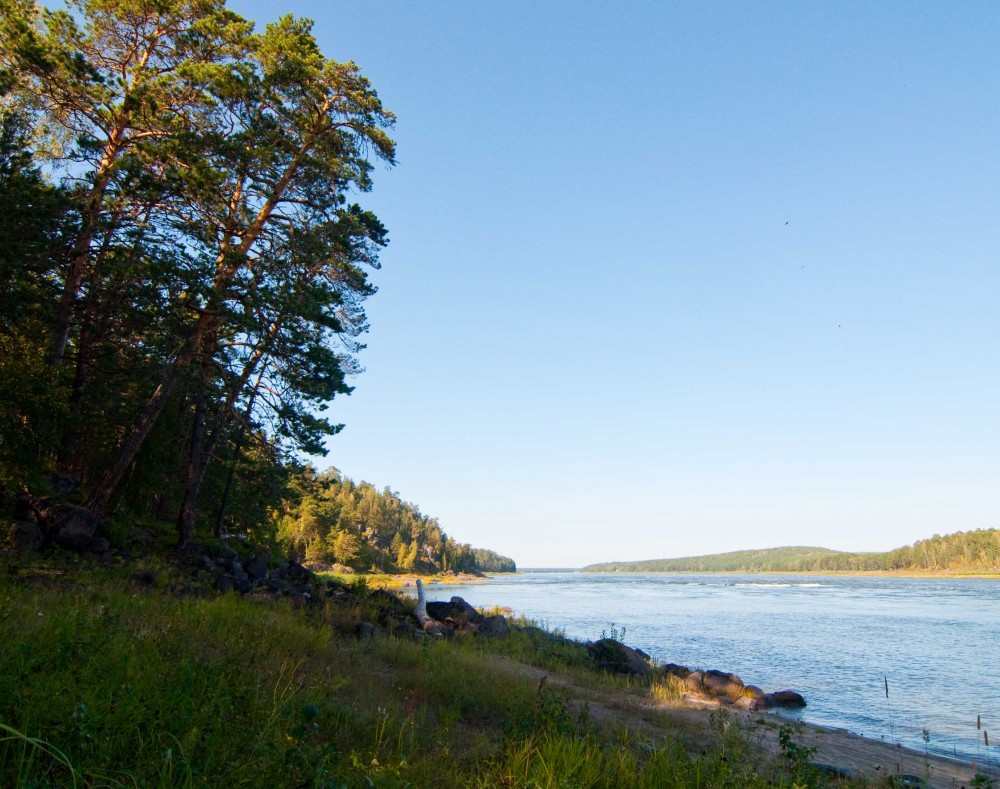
{"points": [[752, 691], [721, 684], [494, 626], [62, 484], [257, 567], [22, 508], [207, 564], [225, 583], [296, 572], [745, 703], [67, 525], [837, 773], [28, 536], [144, 578], [228, 552], [614, 656], [782, 699], [456, 610], [693, 680], [366, 631], [141, 537], [240, 580], [674, 670], [98, 545]]}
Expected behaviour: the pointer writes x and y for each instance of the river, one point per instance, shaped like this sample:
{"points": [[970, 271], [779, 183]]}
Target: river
{"points": [[835, 639]]}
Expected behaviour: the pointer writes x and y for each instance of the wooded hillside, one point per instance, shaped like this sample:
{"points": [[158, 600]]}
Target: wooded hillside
{"points": [[330, 518], [968, 552]]}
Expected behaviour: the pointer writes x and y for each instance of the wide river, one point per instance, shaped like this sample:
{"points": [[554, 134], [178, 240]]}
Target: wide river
{"points": [[834, 639]]}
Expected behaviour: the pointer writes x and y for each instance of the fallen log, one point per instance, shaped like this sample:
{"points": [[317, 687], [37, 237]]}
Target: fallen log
{"points": [[427, 624]]}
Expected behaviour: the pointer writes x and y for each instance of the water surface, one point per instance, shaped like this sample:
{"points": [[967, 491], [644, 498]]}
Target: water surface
{"points": [[832, 638]]}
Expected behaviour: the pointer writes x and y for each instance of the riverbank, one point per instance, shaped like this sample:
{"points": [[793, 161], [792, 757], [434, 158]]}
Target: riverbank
{"points": [[803, 573], [406, 580], [139, 674]]}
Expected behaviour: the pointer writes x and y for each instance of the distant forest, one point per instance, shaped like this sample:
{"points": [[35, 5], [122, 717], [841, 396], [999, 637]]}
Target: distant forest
{"points": [[332, 519], [975, 551]]}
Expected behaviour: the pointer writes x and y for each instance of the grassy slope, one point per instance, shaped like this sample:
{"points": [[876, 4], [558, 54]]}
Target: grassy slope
{"points": [[106, 683]]}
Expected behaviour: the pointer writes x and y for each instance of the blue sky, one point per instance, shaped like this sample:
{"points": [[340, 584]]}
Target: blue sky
{"points": [[668, 279]]}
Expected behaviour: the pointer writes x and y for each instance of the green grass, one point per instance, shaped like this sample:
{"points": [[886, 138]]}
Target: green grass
{"points": [[107, 684]]}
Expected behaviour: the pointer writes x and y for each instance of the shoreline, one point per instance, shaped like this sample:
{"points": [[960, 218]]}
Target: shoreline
{"points": [[812, 573]]}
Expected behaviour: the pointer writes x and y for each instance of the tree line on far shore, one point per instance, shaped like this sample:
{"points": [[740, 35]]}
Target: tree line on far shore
{"points": [[976, 551]]}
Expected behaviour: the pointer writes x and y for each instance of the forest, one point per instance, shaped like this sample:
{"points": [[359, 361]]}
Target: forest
{"points": [[184, 266], [976, 551], [334, 520]]}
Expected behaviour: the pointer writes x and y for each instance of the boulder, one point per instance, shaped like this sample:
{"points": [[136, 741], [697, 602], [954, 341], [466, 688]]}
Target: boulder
{"points": [[719, 683], [367, 631], [614, 656], [257, 567], [225, 583], [97, 545], [674, 670], [144, 578], [62, 484], [139, 536], [67, 525], [28, 536], [782, 699], [456, 610], [693, 680], [240, 580], [494, 626]]}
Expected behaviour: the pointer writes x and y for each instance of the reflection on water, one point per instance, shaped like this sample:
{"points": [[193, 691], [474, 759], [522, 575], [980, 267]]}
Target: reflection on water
{"points": [[834, 639]]}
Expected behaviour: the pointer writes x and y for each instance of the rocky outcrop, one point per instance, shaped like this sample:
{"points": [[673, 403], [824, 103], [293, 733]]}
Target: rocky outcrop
{"points": [[716, 687], [58, 523], [612, 655], [457, 617], [456, 612]]}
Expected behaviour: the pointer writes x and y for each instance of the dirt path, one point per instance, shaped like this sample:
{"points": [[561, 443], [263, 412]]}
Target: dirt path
{"points": [[851, 754]]}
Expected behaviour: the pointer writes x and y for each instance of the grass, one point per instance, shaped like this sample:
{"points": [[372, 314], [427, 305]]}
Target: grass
{"points": [[105, 683]]}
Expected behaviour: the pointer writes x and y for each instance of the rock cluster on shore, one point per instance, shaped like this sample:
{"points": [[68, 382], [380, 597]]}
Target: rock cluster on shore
{"points": [[712, 687]]}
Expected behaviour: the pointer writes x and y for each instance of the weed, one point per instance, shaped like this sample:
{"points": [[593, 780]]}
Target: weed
{"points": [[617, 634]]}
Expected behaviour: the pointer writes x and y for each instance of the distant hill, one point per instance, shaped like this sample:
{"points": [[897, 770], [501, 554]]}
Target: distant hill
{"points": [[964, 552]]}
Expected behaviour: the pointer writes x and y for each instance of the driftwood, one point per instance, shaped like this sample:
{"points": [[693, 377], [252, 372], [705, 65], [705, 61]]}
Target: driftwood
{"points": [[427, 624]]}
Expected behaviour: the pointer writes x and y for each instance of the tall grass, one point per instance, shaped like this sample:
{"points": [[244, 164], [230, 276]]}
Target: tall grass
{"points": [[105, 684]]}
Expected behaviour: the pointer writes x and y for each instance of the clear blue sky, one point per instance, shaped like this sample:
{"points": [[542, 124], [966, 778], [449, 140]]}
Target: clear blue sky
{"points": [[668, 279]]}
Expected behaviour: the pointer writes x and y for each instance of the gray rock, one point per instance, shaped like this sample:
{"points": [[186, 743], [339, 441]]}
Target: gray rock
{"points": [[225, 583], [98, 545], [494, 626], [62, 484], [141, 537], [257, 567], [28, 536], [366, 631], [228, 552], [69, 526], [456, 610]]}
